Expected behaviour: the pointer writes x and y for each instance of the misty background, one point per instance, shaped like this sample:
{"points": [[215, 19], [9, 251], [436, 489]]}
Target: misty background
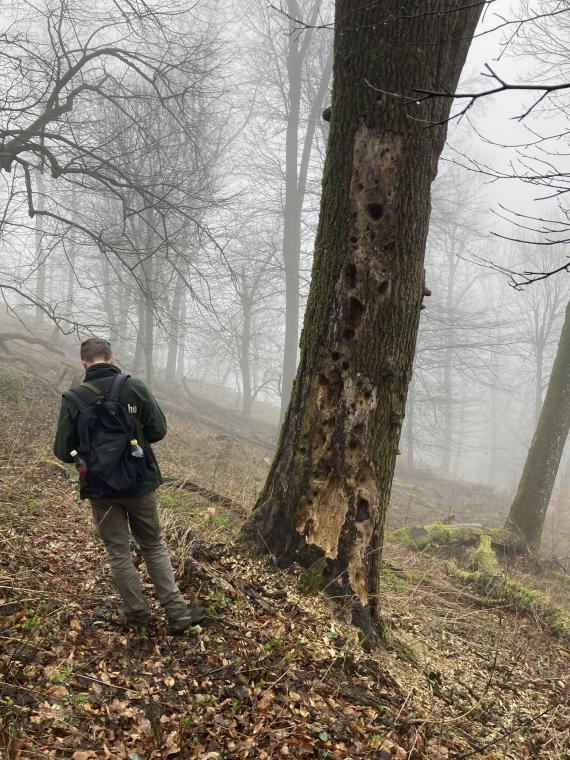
{"points": [[193, 279]]}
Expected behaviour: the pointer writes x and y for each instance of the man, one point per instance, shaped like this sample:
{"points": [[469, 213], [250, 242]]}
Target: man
{"points": [[114, 515]]}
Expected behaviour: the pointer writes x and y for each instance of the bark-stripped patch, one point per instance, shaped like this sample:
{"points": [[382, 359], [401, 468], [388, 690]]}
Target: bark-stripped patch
{"points": [[366, 513], [324, 515], [339, 506], [343, 480]]}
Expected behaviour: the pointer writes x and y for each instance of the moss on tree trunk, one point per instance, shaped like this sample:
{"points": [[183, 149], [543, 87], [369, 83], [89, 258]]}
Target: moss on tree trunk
{"points": [[528, 510], [328, 488]]}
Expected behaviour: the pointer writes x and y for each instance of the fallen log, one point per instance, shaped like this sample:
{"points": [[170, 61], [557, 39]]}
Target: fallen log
{"points": [[206, 493], [486, 575], [6, 337], [441, 534]]}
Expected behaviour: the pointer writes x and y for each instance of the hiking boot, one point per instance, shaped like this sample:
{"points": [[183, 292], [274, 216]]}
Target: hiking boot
{"points": [[136, 622], [186, 621]]}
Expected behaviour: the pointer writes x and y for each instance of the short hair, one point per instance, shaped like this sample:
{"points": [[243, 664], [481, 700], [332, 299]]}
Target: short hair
{"points": [[96, 348]]}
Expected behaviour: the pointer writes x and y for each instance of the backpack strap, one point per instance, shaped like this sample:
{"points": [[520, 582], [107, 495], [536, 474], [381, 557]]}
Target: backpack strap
{"points": [[76, 399], [93, 388], [116, 387]]}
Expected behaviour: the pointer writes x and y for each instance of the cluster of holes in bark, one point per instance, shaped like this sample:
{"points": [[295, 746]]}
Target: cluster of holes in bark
{"points": [[341, 393]]}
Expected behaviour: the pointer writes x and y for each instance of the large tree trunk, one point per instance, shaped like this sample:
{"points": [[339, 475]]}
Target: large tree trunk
{"points": [[325, 500], [528, 509]]}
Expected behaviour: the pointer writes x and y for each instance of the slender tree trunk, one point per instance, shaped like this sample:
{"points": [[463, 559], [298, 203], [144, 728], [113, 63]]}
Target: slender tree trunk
{"points": [[245, 365], [538, 378], [494, 439], [174, 331], [528, 509], [292, 213], [181, 361], [109, 299], [70, 290], [123, 325], [149, 341], [41, 261], [325, 499], [140, 341], [295, 188], [447, 370]]}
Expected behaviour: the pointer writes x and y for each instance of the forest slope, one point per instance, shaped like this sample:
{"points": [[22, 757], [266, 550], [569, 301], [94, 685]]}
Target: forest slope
{"points": [[272, 672]]}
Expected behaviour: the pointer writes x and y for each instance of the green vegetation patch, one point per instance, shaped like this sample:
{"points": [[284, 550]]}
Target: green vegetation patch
{"points": [[526, 600], [439, 534], [13, 389]]}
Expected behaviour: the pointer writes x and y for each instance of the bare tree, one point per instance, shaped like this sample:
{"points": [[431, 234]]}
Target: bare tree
{"points": [[110, 59]]}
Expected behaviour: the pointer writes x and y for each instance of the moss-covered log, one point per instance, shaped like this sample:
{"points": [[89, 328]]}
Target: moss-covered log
{"points": [[522, 598], [487, 576], [439, 534], [328, 489]]}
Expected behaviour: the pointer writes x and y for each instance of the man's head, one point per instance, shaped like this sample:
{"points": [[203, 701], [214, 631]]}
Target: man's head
{"points": [[95, 351]]}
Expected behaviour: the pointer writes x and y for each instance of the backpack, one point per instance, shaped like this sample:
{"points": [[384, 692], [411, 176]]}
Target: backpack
{"points": [[105, 433]]}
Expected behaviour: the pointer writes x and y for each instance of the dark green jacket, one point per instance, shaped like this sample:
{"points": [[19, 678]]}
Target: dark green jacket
{"points": [[140, 405]]}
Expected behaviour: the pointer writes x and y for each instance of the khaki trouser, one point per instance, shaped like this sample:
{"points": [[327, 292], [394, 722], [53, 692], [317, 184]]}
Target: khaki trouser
{"points": [[113, 517]]}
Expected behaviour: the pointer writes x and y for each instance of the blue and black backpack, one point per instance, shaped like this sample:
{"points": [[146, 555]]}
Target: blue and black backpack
{"points": [[105, 432]]}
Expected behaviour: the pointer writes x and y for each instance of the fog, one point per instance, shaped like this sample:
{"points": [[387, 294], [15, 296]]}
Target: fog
{"points": [[177, 185]]}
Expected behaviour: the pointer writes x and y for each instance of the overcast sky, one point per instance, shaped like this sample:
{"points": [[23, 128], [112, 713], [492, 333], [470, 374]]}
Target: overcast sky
{"points": [[494, 119]]}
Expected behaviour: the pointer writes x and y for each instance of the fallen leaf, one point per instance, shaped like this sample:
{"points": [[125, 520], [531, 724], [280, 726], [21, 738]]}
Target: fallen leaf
{"points": [[265, 701]]}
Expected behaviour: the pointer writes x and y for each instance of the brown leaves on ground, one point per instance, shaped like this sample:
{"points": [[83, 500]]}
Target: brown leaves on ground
{"points": [[259, 679], [269, 674]]}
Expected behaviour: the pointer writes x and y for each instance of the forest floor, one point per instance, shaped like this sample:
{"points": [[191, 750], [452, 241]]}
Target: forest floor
{"points": [[270, 673]]}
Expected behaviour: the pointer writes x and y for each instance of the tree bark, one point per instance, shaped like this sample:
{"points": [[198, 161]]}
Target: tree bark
{"points": [[528, 510], [325, 499]]}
